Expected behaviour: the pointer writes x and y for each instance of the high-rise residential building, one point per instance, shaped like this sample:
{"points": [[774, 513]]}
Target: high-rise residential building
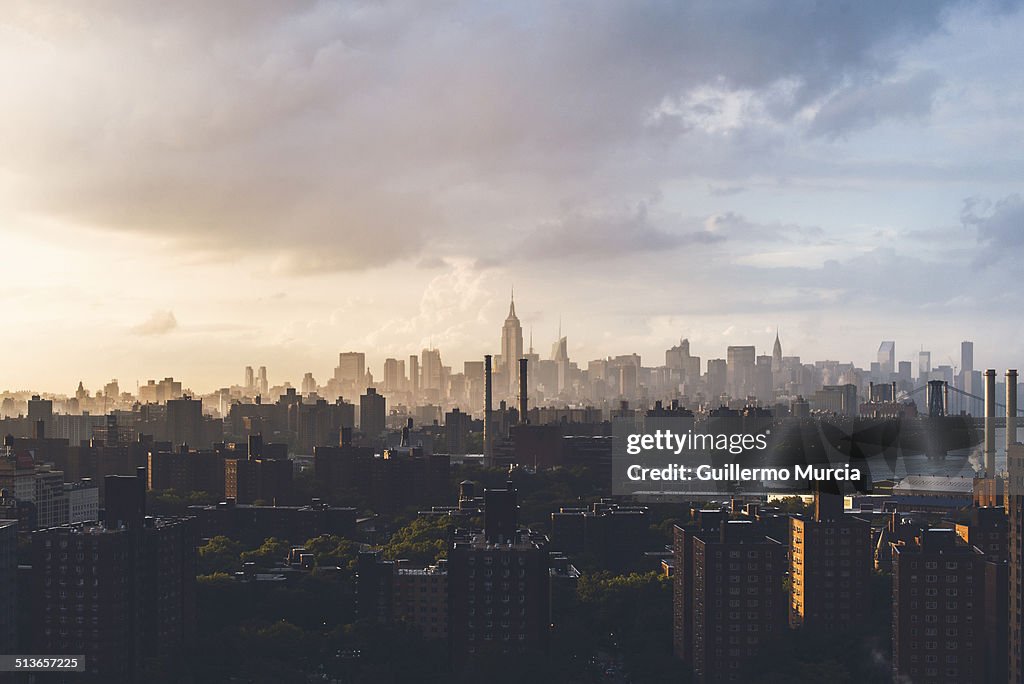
{"points": [[391, 591], [372, 413], [831, 562], [8, 586], [498, 587], [886, 359], [938, 602], [185, 421], [250, 379], [705, 523], [41, 410], [1015, 602], [119, 592], [740, 364], [730, 599], [511, 349], [456, 430]]}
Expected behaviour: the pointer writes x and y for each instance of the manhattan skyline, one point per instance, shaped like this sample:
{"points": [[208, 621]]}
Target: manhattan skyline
{"points": [[186, 191]]}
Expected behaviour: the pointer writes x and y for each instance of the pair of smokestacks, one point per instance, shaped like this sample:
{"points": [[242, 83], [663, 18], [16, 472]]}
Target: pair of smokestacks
{"points": [[488, 404], [990, 415]]}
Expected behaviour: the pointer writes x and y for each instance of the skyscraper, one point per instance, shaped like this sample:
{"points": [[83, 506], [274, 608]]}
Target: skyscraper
{"points": [[511, 348], [261, 381], [432, 373], [394, 375], [924, 365], [740, 361], [372, 413], [777, 354], [966, 356], [887, 359], [414, 375], [560, 355], [250, 379], [351, 370]]}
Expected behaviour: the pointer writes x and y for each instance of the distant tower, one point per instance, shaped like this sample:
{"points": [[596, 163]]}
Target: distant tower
{"points": [[887, 359], [261, 381], [512, 347], [250, 380], [777, 354]]}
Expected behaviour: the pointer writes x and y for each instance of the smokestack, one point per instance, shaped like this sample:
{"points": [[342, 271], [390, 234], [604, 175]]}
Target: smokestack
{"points": [[522, 390], [990, 423], [406, 432], [488, 437], [1011, 408]]}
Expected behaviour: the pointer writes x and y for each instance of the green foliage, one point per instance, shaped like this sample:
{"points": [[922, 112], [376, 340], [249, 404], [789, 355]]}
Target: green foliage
{"points": [[269, 554], [173, 502], [331, 550], [217, 579], [219, 555], [423, 541], [792, 504]]}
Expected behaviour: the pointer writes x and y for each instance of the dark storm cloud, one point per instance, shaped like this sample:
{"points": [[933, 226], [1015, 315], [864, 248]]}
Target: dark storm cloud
{"points": [[330, 136]]}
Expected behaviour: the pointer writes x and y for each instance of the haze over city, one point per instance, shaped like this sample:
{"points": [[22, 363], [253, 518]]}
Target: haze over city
{"points": [[188, 189]]}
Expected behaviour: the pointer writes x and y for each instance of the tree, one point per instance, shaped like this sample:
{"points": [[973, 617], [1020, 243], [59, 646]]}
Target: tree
{"points": [[423, 541], [271, 552], [220, 554], [330, 550]]}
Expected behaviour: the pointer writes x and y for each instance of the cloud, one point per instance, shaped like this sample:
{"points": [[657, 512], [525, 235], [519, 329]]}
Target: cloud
{"points": [[326, 137], [158, 323], [998, 226], [865, 105]]}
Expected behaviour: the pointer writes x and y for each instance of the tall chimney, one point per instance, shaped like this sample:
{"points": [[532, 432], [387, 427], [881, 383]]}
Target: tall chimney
{"points": [[1011, 408], [488, 437], [522, 390], [990, 423]]}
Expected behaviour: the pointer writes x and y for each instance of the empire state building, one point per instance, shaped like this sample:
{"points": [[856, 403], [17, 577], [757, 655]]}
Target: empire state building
{"points": [[512, 347]]}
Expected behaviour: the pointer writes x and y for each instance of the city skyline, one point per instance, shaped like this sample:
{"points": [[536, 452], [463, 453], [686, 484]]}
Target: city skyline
{"points": [[310, 382], [285, 184]]}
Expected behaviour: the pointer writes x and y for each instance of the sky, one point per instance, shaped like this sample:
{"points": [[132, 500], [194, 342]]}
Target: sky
{"points": [[188, 188]]}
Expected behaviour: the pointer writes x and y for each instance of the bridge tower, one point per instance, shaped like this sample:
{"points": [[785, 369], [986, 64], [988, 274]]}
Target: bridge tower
{"points": [[937, 398]]}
